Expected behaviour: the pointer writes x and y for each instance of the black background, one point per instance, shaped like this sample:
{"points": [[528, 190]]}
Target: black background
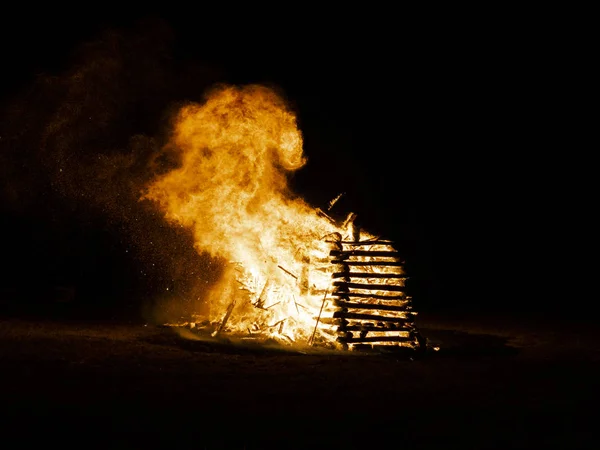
{"points": [[437, 126]]}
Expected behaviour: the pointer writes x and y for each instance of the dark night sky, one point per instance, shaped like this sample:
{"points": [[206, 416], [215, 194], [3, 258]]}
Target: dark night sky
{"points": [[429, 125]]}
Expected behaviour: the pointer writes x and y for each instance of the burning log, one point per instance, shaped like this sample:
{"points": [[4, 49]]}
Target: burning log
{"points": [[368, 242], [368, 275], [225, 318], [349, 315], [370, 253], [354, 305], [370, 287], [368, 263], [393, 327], [346, 296]]}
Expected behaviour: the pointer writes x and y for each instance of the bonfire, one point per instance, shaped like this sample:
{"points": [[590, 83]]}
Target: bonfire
{"points": [[295, 274]]}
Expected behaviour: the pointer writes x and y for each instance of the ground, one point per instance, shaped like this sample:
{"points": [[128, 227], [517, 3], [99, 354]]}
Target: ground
{"points": [[494, 384]]}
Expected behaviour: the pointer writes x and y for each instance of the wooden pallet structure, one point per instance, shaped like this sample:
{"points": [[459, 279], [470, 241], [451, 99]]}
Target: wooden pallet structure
{"points": [[372, 309]]}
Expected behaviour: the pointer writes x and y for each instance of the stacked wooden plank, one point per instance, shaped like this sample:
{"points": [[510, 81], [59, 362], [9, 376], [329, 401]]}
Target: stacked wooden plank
{"points": [[372, 307]]}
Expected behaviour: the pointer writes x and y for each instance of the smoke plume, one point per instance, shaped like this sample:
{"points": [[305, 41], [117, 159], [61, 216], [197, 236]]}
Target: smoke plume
{"points": [[77, 149]]}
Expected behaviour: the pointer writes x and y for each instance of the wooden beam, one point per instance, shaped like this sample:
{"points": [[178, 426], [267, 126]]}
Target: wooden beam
{"points": [[368, 275], [372, 242], [373, 317], [368, 263], [375, 339], [403, 327], [370, 287], [225, 318], [347, 295], [351, 305], [372, 253]]}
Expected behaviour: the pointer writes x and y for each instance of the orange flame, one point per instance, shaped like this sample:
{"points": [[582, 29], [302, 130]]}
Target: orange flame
{"points": [[231, 190]]}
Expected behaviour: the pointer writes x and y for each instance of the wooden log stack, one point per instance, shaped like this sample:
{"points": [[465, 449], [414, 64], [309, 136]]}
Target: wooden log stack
{"points": [[372, 308]]}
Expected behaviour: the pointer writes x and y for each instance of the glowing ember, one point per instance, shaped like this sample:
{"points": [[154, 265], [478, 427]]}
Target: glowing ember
{"points": [[295, 274]]}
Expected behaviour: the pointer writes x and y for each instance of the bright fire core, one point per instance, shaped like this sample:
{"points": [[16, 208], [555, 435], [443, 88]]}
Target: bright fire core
{"points": [[231, 190]]}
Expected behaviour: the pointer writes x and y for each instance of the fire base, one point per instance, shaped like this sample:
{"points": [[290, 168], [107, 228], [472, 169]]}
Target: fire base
{"points": [[365, 308]]}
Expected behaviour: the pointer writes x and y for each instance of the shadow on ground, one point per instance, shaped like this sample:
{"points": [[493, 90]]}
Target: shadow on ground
{"points": [[458, 344]]}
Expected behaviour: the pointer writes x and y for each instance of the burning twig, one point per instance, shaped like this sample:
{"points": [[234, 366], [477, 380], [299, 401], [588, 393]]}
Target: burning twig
{"points": [[301, 306], [270, 306], [310, 341], [334, 201], [225, 319], [351, 217], [260, 302], [288, 272], [276, 323], [321, 213]]}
